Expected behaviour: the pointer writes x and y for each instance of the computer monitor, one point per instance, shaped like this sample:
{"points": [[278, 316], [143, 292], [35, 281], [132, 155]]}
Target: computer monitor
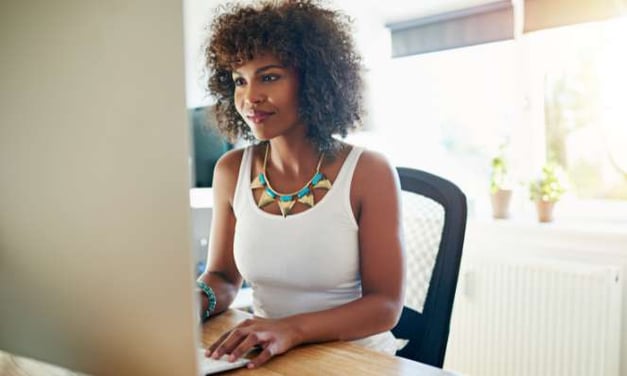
{"points": [[96, 271]]}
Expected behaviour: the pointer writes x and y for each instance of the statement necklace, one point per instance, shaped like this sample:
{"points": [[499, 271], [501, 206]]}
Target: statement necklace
{"points": [[286, 201]]}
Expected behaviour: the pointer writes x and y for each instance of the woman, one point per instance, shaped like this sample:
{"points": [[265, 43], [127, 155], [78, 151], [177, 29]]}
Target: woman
{"points": [[312, 223]]}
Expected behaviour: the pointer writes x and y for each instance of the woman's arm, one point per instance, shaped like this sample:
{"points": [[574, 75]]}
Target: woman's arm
{"points": [[221, 273], [376, 201]]}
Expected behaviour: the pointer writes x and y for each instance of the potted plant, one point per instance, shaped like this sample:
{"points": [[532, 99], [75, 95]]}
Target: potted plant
{"points": [[500, 187], [547, 189]]}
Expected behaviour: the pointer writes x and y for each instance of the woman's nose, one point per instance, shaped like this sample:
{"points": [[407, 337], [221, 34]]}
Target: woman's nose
{"points": [[253, 94]]}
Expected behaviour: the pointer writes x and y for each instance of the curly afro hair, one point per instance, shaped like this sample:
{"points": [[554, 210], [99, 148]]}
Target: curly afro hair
{"points": [[315, 41]]}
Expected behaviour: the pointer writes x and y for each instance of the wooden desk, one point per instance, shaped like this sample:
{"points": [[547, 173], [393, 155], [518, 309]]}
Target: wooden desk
{"points": [[335, 358], [328, 359]]}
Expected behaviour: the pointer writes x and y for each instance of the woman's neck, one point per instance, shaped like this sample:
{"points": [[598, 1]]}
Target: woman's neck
{"points": [[293, 157]]}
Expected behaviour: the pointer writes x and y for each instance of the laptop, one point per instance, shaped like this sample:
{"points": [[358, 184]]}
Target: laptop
{"points": [[210, 366]]}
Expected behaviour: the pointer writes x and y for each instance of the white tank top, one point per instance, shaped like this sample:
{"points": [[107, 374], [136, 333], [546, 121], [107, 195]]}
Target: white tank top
{"points": [[305, 262]]}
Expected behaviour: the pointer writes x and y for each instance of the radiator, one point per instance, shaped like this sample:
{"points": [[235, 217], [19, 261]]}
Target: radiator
{"points": [[535, 318]]}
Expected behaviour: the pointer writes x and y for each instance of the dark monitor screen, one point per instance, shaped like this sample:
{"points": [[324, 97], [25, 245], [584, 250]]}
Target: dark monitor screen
{"points": [[208, 145]]}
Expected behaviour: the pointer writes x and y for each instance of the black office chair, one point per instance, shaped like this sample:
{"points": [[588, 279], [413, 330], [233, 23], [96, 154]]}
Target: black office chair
{"points": [[434, 222]]}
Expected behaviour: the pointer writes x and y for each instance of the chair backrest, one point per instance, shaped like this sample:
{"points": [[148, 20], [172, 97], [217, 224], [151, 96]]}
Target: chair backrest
{"points": [[434, 222]]}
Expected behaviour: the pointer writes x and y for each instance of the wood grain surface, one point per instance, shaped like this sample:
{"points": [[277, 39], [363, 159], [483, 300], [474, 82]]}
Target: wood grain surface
{"points": [[332, 358], [328, 359]]}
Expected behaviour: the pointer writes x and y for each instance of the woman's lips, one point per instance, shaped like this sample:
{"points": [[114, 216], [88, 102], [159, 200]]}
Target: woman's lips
{"points": [[258, 117]]}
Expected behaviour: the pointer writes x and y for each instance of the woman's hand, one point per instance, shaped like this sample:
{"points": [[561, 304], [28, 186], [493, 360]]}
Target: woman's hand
{"points": [[274, 337]]}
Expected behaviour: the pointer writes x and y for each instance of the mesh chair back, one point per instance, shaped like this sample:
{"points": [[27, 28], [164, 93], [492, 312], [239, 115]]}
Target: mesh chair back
{"points": [[434, 223]]}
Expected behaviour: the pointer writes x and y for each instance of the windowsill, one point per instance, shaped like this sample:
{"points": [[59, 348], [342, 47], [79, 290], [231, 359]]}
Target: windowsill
{"points": [[558, 225], [570, 215]]}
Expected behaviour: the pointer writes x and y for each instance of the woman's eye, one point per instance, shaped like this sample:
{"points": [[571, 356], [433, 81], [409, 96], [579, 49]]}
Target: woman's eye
{"points": [[239, 81], [269, 77]]}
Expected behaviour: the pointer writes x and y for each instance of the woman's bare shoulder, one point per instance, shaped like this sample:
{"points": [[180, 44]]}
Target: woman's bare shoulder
{"points": [[226, 173], [374, 165], [374, 176], [230, 161]]}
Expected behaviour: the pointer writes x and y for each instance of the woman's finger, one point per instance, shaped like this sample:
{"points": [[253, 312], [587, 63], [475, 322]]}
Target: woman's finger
{"points": [[250, 342], [263, 357], [221, 339], [234, 338], [217, 343]]}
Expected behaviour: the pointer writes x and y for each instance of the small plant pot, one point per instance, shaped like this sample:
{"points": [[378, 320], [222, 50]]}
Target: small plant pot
{"points": [[545, 210], [500, 203]]}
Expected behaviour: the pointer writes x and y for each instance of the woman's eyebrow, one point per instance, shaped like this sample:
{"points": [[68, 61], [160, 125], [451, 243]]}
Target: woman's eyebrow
{"points": [[269, 66], [263, 69]]}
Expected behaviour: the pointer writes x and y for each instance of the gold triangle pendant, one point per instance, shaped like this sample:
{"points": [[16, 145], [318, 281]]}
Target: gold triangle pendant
{"points": [[286, 206], [265, 199], [307, 199], [257, 183], [324, 183]]}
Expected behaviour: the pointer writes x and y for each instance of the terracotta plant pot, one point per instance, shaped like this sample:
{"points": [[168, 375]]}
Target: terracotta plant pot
{"points": [[500, 203], [545, 210]]}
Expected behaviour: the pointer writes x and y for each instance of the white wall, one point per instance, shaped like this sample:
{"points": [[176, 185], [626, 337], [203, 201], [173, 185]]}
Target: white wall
{"points": [[196, 15]]}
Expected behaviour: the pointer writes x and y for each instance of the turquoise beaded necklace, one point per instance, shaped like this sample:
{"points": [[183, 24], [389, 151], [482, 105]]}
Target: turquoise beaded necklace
{"points": [[286, 201]]}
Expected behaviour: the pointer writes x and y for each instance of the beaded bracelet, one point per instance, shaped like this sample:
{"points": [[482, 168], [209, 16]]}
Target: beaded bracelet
{"points": [[211, 296]]}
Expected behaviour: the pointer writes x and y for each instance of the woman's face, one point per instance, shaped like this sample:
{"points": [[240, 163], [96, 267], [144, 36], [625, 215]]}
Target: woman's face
{"points": [[266, 96]]}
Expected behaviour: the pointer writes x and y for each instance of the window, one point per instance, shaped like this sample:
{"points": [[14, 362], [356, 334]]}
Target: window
{"points": [[551, 94], [446, 112], [585, 117]]}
